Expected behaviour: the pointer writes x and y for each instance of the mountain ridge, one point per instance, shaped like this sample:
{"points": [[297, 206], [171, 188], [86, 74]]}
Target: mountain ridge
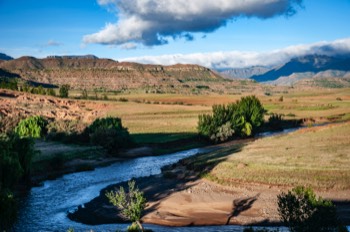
{"points": [[308, 63], [91, 73]]}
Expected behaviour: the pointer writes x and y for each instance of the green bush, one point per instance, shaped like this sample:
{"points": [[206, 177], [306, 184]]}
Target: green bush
{"points": [[33, 127], [110, 134], [302, 211], [241, 118], [64, 91], [131, 204]]}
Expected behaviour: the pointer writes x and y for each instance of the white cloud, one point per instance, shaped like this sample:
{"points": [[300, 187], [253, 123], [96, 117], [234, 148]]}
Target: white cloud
{"points": [[239, 59], [52, 43], [153, 22]]}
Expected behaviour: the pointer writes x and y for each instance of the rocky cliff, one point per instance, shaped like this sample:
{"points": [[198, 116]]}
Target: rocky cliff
{"points": [[92, 73]]}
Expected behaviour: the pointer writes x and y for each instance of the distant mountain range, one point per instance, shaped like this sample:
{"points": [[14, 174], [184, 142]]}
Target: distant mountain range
{"points": [[244, 73], [297, 69], [310, 63], [5, 57], [91, 72]]}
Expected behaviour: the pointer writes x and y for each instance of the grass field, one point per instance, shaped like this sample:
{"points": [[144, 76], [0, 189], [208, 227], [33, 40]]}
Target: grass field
{"points": [[318, 157], [171, 113]]}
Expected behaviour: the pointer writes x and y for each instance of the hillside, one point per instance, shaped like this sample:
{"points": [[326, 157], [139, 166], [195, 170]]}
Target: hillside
{"points": [[310, 63], [93, 73]]}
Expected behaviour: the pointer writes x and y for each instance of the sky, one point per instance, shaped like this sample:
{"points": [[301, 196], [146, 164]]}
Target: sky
{"points": [[217, 34]]}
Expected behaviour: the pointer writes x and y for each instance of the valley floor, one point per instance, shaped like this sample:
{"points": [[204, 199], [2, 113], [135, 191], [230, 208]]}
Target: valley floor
{"points": [[186, 194]]}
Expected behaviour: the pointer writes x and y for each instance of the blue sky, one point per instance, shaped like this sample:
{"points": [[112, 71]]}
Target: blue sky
{"points": [[141, 33]]}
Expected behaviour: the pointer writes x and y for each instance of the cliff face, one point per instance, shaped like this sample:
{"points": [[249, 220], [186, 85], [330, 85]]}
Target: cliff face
{"points": [[91, 73]]}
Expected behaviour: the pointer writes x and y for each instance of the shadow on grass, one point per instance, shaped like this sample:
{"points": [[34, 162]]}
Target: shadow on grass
{"points": [[166, 143]]}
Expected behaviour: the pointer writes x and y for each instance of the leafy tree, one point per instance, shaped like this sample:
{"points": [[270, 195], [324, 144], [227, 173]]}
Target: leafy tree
{"points": [[64, 91], [302, 211], [110, 134], [240, 118], [248, 116], [15, 162], [33, 127], [131, 203]]}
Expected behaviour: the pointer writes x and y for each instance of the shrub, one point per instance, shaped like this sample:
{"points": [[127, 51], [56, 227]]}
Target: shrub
{"points": [[64, 91], [301, 211], [249, 115], [110, 134], [241, 118], [10, 167], [131, 203], [51, 92], [33, 126]]}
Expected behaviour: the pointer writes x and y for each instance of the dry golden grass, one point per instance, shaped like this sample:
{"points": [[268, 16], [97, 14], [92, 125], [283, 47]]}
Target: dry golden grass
{"points": [[318, 157], [172, 113]]}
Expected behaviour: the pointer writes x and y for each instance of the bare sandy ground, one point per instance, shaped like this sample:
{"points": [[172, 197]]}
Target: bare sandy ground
{"points": [[206, 203], [192, 201]]}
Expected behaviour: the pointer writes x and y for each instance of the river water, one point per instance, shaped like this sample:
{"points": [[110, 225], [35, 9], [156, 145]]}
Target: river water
{"points": [[45, 208]]}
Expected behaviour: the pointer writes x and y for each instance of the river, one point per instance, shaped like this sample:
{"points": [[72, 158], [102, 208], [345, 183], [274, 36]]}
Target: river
{"points": [[45, 208]]}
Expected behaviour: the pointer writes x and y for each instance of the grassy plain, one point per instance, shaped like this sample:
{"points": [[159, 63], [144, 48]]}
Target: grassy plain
{"points": [[318, 157], [174, 114]]}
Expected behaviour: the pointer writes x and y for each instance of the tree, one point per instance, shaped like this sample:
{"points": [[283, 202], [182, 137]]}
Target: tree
{"points": [[248, 116], [110, 134], [131, 203], [241, 118], [302, 211], [64, 91]]}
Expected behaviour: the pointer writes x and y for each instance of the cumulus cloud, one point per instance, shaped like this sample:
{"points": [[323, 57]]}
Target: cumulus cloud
{"points": [[239, 59], [153, 22]]}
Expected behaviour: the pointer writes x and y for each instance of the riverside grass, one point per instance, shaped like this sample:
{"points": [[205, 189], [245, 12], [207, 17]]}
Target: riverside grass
{"points": [[317, 157]]}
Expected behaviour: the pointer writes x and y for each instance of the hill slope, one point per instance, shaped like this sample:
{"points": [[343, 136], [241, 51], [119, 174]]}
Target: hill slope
{"points": [[91, 73]]}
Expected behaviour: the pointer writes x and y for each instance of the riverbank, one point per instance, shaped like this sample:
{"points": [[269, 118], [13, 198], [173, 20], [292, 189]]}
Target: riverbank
{"points": [[187, 194]]}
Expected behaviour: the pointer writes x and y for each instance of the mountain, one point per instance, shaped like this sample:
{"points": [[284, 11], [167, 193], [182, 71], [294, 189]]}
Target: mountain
{"points": [[87, 72], [243, 73], [311, 77], [5, 57], [310, 63]]}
